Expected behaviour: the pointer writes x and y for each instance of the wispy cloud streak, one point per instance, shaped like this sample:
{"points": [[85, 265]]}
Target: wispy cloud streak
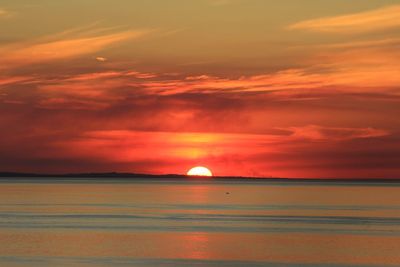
{"points": [[65, 47], [378, 19], [4, 13], [320, 133]]}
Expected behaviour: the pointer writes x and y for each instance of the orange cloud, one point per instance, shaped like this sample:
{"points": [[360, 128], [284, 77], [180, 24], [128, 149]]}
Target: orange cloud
{"points": [[65, 48], [349, 71], [329, 114], [99, 123], [378, 19], [14, 80], [320, 133], [90, 90], [4, 13], [181, 150], [314, 151], [383, 43], [101, 59], [127, 146]]}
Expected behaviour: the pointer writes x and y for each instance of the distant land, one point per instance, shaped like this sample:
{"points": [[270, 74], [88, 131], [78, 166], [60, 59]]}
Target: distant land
{"points": [[127, 176]]}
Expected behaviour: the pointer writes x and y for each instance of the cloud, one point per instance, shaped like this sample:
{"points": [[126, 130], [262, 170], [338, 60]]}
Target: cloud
{"points": [[374, 20], [357, 71], [320, 133], [90, 88], [383, 43], [4, 13], [225, 153], [326, 116], [66, 47], [350, 71], [117, 120], [14, 80], [101, 59]]}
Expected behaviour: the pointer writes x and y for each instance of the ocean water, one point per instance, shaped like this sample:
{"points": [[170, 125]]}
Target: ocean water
{"points": [[198, 222]]}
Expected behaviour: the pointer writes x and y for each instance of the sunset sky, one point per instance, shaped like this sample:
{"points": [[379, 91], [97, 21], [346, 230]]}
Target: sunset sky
{"points": [[283, 88]]}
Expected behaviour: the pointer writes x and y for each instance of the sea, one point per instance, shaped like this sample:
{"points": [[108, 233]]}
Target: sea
{"points": [[198, 222]]}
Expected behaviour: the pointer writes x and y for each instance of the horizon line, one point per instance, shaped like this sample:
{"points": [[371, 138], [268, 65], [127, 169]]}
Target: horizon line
{"points": [[113, 174]]}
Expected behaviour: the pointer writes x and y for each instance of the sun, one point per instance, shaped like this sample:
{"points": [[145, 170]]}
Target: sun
{"points": [[199, 171]]}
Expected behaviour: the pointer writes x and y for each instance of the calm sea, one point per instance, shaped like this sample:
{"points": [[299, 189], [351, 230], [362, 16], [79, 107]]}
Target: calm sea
{"points": [[198, 223]]}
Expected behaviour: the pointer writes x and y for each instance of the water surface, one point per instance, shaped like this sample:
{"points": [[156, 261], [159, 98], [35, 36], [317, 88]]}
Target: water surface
{"points": [[170, 222]]}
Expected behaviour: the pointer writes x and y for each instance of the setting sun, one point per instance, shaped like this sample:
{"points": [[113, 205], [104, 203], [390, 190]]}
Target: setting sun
{"points": [[199, 171]]}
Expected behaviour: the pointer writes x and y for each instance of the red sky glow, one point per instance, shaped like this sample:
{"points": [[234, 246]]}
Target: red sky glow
{"points": [[244, 87]]}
